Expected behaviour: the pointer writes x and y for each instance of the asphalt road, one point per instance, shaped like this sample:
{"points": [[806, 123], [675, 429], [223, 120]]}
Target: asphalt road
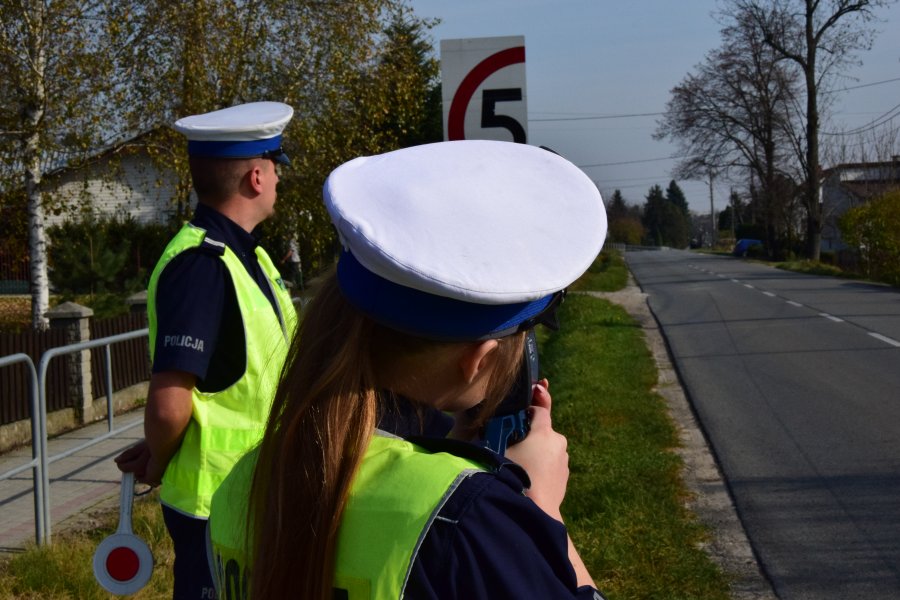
{"points": [[796, 382]]}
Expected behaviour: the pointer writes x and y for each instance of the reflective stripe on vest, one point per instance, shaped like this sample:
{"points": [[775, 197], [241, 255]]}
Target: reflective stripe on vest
{"points": [[225, 424], [396, 494]]}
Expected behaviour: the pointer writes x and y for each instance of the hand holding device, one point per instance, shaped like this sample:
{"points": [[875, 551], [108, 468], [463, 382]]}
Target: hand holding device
{"points": [[510, 423]]}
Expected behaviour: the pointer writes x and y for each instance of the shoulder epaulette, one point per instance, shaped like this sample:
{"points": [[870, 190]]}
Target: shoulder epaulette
{"points": [[486, 457], [212, 246]]}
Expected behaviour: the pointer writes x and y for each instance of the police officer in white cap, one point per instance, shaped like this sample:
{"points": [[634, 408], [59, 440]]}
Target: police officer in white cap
{"points": [[220, 324], [451, 253]]}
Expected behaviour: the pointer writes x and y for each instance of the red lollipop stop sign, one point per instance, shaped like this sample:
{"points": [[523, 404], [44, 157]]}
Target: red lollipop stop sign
{"points": [[123, 562]]}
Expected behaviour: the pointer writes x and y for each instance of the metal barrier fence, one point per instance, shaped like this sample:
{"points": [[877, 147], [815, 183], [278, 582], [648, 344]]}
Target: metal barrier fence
{"points": [[41, 460], [37, 463]]}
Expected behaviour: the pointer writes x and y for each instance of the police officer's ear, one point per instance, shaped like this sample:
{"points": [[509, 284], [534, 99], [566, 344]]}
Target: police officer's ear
{"points": [[256, 176], [476, 358]]}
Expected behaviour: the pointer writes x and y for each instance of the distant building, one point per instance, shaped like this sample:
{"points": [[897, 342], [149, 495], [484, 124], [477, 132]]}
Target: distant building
{"points": [[849, 185], [122, 181]]}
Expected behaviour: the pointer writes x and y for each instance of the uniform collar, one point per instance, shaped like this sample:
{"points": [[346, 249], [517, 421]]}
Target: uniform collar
{"points": [[223, 229], [402, 418]]}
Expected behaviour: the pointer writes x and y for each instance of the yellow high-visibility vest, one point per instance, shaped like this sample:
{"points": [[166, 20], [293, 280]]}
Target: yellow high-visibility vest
{"points": [[398, 491], [225, 424]]}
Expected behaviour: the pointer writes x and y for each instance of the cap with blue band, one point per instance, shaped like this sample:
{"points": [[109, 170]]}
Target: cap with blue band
{"points": [[462, 240], [244, 131], [413, 311]]}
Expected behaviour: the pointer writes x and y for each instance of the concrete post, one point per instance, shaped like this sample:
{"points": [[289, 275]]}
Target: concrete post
{"points": [[137, 303], [75, 319]]}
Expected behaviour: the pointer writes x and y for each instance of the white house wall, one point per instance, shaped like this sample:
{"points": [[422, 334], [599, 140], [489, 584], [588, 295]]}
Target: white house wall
{"points": [[836, 199], [137, 188]]}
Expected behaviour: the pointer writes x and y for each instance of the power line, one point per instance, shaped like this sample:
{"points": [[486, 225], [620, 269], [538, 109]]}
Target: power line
{"points": [[876, 122], [630, 162], [622, 116], [657, 114], [864, 85], [608, 182]]}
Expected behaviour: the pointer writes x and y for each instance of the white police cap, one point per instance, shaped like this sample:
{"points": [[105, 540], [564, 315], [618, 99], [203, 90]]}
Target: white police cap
{"points": [[462, 240], [243, 131]]}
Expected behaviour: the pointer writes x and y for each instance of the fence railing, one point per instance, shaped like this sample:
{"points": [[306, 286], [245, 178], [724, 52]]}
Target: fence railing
{"points": [[37, 463], [41, 460], [15, 381], [75, 381]]}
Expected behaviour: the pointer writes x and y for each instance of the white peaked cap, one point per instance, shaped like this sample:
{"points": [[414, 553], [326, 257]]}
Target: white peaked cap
{"points": [[475, 222], [242, 131], [241, 123]]}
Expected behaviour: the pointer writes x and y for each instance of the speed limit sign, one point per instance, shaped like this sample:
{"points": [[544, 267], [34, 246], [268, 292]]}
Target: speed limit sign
{"points": [[483, 89]]}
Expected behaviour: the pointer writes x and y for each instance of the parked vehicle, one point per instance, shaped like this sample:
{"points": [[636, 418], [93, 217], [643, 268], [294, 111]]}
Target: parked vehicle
{"points": [[743, 246]]}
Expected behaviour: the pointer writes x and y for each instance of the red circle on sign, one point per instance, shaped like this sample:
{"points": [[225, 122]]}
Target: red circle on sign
{"points": [[122, 564], [457, 114]]}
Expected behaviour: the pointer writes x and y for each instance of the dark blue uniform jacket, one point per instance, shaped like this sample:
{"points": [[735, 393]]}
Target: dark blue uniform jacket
{"points": [[489, 541]]}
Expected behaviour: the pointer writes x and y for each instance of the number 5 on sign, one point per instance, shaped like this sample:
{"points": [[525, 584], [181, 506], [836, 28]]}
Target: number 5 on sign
{"points": [[483, 89]]}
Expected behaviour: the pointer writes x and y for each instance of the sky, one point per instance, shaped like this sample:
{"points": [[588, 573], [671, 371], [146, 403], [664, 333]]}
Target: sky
{"points": [[589, 58]]}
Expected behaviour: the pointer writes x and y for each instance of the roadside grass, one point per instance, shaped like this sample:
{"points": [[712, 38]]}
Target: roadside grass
{"points": [[625, 501], [608, 273], [812, 267], [64, 569], [625, 504]]}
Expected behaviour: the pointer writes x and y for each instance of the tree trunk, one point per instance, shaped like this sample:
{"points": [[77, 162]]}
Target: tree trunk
{"points": [[814, 210], [37, 242], [37, 239]]}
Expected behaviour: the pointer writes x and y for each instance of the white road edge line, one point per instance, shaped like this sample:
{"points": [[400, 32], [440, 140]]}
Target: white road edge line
{"points": [[769, 294], [797, 304], [885, 339], [831, 317], [747, 285]]}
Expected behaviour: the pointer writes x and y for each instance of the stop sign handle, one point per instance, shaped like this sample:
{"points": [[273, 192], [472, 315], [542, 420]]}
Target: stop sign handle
{"points": [[123, 562]]}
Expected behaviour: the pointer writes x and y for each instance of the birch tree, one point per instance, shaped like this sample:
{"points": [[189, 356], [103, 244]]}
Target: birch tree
{"points": [[56, 62], [85, 74]]}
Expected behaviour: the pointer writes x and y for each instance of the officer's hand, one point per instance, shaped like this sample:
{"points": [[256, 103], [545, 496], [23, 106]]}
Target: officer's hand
{"points": [[154, 472], [134, 459], [543, 455]]}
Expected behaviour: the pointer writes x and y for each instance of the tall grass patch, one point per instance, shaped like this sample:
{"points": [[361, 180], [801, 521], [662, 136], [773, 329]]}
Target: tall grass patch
{"points": [[608, 273], [625, 502], [64, 569]]}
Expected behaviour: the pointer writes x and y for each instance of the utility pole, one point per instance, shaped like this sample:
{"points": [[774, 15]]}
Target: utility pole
{"points": [[733, 213], [712, 213]]}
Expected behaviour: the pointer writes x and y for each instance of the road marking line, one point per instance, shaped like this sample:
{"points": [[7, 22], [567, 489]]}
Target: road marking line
{"points": [[719, 275], [797, 304], [769, 294], [747, 285], [831, 317], [885, 339], [735, 280]]}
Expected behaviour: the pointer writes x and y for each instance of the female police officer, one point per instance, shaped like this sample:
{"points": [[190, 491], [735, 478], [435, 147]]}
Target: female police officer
{"points": [[451, 251]]}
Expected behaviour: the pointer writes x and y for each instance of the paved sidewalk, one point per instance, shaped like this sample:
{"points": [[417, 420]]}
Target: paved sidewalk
{"points": [[77, 483]]}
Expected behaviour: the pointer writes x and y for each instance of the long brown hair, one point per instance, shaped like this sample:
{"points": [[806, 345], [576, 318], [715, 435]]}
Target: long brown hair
{"points": [[322, 419]]}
